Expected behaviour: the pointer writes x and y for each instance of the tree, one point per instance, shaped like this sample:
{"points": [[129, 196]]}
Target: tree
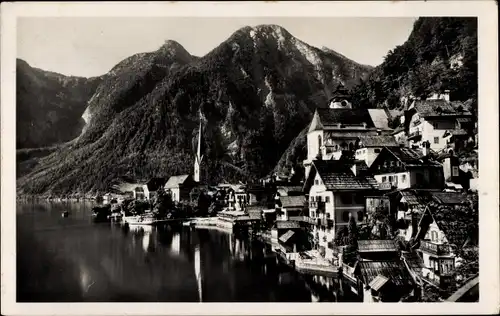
{"points": [[351, 249], [163, 203]]}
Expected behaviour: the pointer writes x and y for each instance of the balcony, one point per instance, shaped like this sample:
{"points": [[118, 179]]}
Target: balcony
{"points": [[435, 249], [319, 206], [385, 186], [415, 136], [304, 219]]}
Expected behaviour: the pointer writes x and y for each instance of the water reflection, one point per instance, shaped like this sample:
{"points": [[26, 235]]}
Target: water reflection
{"points": [[110, 262]]}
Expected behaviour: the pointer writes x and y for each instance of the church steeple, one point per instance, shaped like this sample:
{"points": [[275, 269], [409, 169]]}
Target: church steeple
{"points": [[198, 156]]}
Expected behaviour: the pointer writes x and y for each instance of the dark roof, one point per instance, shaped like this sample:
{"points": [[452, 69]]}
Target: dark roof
{"points": [[411, 156], [395, 271], [377, 246], [344, 116], [337, 175], [416, 197], [458, 225], [155, 183], [287, 224], [438, 108], [450, 198], [413, 261], [292, 201], [378, 141]]}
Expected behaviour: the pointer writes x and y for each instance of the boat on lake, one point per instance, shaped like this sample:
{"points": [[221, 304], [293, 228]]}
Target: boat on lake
{"points": [[142, 219]]}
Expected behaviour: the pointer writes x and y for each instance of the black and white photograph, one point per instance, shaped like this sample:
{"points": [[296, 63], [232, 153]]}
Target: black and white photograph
{"points": [[251, 159]]}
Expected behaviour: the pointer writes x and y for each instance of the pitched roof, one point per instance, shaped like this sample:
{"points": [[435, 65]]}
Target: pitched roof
{"points": [[378, 141], [331, 117], [377, 246], [337, 175], [175, 181], [285, 190], [413, 261], [410, 156], [450, 198], [292, 201], [393, 270], [380, 118], [458, 225], [287, 224], [378, 282], [416, 197], [155, 183], [440, 107]]}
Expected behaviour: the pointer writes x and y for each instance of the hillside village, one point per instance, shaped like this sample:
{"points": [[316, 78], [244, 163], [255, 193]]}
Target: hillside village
{"points": [[391, 210]]}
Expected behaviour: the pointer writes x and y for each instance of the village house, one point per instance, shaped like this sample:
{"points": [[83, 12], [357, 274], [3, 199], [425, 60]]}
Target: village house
{"points": [[369, 147], [440, 122], [401, 168], [180, 187], [290, 207], [151, 188], [138, 193], [442, 232], [336, 190], [336, 129], [384, 281]]}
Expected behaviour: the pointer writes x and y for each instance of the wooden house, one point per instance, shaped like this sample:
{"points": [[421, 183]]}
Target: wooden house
{"points": [[152, 186], [384, 281], [291, 206], [442, 232], [377, 250]]}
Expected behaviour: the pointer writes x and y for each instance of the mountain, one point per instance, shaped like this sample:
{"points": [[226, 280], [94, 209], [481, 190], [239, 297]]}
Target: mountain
{"points": [[49, 105], [440, 54], [254, 92]]}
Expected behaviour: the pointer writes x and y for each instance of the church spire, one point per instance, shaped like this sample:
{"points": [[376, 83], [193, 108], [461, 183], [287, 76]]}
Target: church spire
{"points": [[199, 155]]}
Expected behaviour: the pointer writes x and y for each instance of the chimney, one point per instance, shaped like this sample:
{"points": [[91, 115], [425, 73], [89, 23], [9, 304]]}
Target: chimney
{"points": [[425, 148]]}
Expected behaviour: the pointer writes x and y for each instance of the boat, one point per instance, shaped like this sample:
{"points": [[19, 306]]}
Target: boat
{"points": [[115, 216], [188, 223], [143, 219]]}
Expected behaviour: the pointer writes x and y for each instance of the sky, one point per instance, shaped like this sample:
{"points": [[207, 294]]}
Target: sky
{"points": [[91, 46]]}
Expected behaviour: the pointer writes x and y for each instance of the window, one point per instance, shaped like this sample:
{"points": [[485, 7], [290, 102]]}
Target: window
{"points": [[319, 143], [434, 236], [377, 150], [390, 178], [318, 198], [391, 163], [455, 171], [403, 178], [312, 198], [436, 140], [316, 182], [313, 214], [328, 215], [345, 216], [327, 199], [360, 216], [435, 125], [359, 199], [384, 178]]}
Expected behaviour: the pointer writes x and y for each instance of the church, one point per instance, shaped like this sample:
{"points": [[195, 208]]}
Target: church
{"points": [[335, 130]]}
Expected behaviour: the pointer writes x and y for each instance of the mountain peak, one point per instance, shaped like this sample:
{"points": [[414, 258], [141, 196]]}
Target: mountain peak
{"points": [[173, 47]]}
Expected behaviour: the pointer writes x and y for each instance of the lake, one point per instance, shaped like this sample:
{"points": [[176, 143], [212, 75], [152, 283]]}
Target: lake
{"points": [[74, 260]]}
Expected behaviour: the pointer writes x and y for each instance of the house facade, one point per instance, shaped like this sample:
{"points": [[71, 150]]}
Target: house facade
{"points": [[152, 186], [335, 192], [402, 168], [289, 207], [435, 121], [180, 187], [369, 147]]}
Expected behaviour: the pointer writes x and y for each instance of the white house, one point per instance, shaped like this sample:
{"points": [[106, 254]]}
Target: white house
{"points": [[437, 121], [179, 187], [336, 189], [402, 168], [369, 147]]}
